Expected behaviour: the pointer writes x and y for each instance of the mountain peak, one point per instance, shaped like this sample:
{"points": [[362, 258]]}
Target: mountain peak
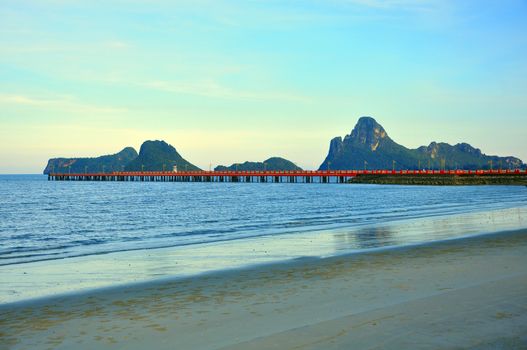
{"points": [[156, 143], [367, 120], [367, 132], [157, 155]]}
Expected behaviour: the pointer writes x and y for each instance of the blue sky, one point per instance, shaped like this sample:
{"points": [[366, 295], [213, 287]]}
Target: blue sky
{"points": [[229, 81]]}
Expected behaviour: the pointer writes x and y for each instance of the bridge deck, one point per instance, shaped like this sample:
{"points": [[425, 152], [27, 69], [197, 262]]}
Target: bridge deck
{"points": [[308, 176]]}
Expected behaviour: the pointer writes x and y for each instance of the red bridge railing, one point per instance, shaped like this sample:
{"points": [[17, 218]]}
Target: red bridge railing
{"points": [[295, 173]]}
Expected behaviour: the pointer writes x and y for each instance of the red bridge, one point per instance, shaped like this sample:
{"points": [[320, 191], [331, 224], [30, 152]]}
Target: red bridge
{"points": [[303, 176]]}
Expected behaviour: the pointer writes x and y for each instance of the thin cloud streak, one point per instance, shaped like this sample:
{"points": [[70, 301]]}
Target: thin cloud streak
{"points": [[210, 88], [396, 4], [112, 45], [63, 103], [204, 88]]}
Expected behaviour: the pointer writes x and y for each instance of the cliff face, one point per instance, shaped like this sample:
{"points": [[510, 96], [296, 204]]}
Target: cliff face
{"points": [[369, 146], [108, 163], [335, 147], [158, 156], [273, 163]]}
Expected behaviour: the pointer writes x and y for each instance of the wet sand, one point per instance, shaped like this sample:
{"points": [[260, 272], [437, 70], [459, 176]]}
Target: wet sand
{"points": [[466, 293]]}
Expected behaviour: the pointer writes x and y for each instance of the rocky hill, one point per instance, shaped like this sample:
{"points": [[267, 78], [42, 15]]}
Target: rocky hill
{"points": [[273, 163], [112, 162], [158, 156], [369, 146], [153, 156]]}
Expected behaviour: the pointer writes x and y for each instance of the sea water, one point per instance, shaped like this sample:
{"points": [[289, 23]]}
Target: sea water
{"points": [[66, 236]]}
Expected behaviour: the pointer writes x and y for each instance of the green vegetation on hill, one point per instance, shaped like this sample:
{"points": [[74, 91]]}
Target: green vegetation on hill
{"points": [[369, 147], [273, 163], [107, 163], [159, 156]]}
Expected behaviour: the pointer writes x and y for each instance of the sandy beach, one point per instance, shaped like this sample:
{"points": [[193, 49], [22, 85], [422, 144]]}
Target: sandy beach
{"points": [[465, 293]]}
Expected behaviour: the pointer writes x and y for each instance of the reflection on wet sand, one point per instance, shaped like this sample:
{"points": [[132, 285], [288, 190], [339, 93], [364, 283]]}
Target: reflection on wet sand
{"points": [[428, 229], [365, 238]]}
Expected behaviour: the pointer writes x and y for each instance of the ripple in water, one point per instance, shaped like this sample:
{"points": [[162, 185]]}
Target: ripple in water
{"points": [[41, 220]]}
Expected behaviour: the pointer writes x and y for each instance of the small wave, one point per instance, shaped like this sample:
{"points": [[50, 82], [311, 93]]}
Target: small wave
{"points": [[84, 220]]}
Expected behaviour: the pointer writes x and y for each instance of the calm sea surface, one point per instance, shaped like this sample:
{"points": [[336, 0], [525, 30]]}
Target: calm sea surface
{"points": [[44, 220]]}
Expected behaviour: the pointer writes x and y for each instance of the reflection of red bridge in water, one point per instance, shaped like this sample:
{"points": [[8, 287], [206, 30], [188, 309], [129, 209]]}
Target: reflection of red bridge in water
{"points": [[301, 176]]}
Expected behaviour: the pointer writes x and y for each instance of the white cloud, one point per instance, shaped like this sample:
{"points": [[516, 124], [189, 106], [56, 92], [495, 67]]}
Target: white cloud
{"points": [[63, 103], [211, 88], [67, 47], [396, 4]]}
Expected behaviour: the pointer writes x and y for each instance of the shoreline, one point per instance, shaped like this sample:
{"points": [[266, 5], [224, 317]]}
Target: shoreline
{"points": [[256, 307], [297, 262], [62, 277]]}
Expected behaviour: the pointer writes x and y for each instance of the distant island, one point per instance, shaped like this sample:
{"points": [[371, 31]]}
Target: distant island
{"points": [[153, 156], [111, 162], [273, 163], [368, 147]]}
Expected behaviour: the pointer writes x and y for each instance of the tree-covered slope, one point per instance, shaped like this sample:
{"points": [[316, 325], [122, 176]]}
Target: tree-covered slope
{"points": [[107, 163], [273, 163], [158, 156]]}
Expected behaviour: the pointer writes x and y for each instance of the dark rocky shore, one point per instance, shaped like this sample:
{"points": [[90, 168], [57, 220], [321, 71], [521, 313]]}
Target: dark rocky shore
{"points": [[441, 180]]}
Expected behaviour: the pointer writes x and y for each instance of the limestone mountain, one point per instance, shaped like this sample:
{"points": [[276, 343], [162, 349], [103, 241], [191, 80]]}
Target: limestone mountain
{"points": [[369, 146], [158, 156], [108, 163], [273, 163]]}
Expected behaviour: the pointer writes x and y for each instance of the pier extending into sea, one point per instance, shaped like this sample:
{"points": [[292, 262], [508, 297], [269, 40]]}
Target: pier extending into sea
{"points": [[296, 176]]}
